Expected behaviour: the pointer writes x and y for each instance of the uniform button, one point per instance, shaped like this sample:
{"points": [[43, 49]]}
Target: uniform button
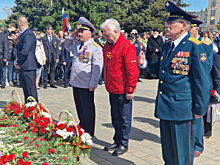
{"points": [[73, 65], [160, 92], [163, 71], [73, 71], [75, 60], [161, 82]]}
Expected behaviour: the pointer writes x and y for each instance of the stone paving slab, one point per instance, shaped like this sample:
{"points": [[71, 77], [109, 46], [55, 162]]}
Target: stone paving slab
{"points": [[144, 146]]}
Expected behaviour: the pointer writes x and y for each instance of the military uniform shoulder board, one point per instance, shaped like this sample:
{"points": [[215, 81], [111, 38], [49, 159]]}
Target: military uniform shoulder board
{"points": [[195, 41], [96, 45], [206, 41], [169, 40]]}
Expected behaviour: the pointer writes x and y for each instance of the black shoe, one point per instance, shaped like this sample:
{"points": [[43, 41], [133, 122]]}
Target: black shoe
{"points": [[111, 147], [45, 86], [3, 86], [139, 81], [120, 150], [53, 86], [100, 83], [65, 86]]}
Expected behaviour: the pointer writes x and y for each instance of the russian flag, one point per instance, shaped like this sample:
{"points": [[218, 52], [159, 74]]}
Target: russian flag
{"points": [[66, 25]]}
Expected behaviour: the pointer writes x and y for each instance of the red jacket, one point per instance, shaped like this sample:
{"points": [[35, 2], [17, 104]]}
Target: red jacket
{"points": [[120, 66]]}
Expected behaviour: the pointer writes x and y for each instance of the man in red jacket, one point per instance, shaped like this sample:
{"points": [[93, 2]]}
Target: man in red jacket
{"points": [[120, 75]]}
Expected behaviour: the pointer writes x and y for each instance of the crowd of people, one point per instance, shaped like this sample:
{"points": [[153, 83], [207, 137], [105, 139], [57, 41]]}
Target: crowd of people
{"points": [[183, 60]]}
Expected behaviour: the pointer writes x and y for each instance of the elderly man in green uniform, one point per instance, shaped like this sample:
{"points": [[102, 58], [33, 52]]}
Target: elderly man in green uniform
{"points": [[183, 90]]}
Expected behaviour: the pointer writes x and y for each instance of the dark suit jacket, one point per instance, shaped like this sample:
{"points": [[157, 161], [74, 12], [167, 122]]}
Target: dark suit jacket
{"points": [[55, 49], [4, 45], [65, 54], [26, 45]]}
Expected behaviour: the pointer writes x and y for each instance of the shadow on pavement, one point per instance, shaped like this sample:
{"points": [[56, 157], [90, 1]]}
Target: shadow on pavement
{"points": [[2, 104], [144, 99], [152, 122], [139, 135], [101, 157]]}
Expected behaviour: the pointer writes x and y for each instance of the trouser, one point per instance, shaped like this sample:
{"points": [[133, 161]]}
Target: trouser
{"points": [[207, 126], [121, 112], [100, 79], [9, 71], [85, 107], [28, 83], [3, 74], [199, 133], [52, 71], [67, 71], [177, 140]]}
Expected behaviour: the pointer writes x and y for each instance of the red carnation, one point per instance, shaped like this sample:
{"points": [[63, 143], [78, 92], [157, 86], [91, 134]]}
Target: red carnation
{"points": [[4, 158], [27, 162], [61, 126], [26, 114], [42, 131], [11, 156], [10, 107], [78, 127], [47, 120], [43, 125], [34, 130], [80, 132], [25, 154], [37, 145], [31, 108], [20, 162], [56, 135], [58, 164], [212, 92], [26, 138], [69, 129], [36, 153], [42, 139], [51, 151], [64, 158], [45, 163]]}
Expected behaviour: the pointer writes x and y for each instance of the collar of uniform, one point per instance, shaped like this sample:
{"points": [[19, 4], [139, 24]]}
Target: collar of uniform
{"points": [[87, 42], [178, 40], [24, 30]]}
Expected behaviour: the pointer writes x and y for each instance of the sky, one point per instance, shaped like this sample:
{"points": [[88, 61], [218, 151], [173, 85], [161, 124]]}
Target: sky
{"points": [[196, 5]]}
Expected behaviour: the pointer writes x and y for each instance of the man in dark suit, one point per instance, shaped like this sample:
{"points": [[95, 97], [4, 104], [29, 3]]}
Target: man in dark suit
{"points": [[184, 86], [67, 62], [27, 61], [52, 55], [4, 56]]}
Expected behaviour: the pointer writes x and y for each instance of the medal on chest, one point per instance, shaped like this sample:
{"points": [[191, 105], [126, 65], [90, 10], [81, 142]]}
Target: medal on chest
{"points": [[180, 63], [84, 55]]}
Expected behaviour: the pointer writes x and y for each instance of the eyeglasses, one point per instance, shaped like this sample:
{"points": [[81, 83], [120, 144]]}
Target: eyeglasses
{"points": [[172, 22]]}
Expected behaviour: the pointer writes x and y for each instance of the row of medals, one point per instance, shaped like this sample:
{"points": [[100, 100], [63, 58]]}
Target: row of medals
{"points": [[83, 55], [180, 65]]}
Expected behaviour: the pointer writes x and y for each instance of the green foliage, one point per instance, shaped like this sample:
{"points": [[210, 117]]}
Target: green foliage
{"points": [[142, 15]]}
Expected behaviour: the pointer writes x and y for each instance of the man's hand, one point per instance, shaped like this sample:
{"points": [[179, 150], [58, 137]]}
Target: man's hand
{"points": [[197, 116], [7, 64], [74, 34], [157, 50], [57, 60], [129, 96], [141, 58], [44, 62], [4, 60], [17, 66], [64, 63], [91, 89]]}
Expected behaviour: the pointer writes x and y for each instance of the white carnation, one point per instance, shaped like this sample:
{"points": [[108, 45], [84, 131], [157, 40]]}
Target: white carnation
{"points": [[89, 142], [30, 104], [71, 123], [83, 138]]}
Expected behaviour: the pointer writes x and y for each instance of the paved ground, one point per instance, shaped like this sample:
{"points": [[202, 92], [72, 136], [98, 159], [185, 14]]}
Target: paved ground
{"points": [[144, 146]]}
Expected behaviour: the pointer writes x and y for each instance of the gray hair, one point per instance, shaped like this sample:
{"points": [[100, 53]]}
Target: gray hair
{"points": [[187, 22], [112, 24]]}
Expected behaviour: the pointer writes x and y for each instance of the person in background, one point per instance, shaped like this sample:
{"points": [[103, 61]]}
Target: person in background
{"points": [[52, 55], [41, 57], [4, 56], [216, 39], [120, 75], [126, 35], [132, 38], [144, 40], [12, 52]]}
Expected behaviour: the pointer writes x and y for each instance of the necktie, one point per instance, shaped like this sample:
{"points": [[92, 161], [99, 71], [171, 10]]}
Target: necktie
{"points": [[171, 49], [50, 41], [81, 45]]}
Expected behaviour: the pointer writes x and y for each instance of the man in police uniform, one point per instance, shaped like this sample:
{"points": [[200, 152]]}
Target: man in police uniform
{"points": [[199, 123], [86, 69], [139, 47], [183, 90]]}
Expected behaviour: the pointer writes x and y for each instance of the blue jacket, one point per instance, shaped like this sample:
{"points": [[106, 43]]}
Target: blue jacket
{"points": [[26, 45], [65, 54], [182, 94], [139, 47]]}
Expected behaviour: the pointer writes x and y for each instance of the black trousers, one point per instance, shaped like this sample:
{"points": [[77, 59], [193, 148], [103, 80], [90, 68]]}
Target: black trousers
{"points": [[85, 107], [28, 83], [50, 65], [67, 71], [3, 74], [208, 127]]}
